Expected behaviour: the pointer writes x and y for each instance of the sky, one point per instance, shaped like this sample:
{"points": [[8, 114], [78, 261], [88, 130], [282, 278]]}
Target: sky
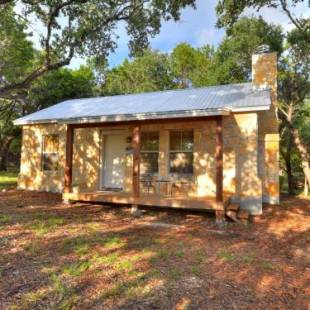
{"points": [[196, 27]]}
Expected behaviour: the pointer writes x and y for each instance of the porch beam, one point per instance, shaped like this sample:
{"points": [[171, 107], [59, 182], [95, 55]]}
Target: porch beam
{"points": [[69, 156], [219, 167], [136, 143], [108, 124]]}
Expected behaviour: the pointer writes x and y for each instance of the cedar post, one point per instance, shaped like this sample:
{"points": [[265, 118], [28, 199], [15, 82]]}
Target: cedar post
{"points": [[219, 168], [69, 155], [136, 141]]}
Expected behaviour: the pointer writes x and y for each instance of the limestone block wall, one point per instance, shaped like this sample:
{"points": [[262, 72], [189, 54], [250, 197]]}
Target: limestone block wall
{"points": [[241, 158], [241, 147], [31, 176], [86, 159]]}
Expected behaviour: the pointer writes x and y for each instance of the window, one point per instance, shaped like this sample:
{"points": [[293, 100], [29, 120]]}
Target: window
{"points": [[181, 152], [50, 153], [149, 152]]}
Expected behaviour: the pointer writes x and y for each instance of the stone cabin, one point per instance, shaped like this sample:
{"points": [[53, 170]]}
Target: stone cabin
{"points": [[193, 148]]}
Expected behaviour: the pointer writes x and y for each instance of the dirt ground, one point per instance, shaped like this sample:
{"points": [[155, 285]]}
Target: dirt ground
{"points": [[101, 257]]}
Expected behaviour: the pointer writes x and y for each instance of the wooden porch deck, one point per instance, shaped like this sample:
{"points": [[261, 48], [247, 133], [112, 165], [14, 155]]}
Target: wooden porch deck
{"points": [[178, 202]]}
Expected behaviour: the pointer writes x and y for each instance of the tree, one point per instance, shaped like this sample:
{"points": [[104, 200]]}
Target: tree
{"points": [[233, 58], [85, 28], [294, 90], [47, 90], [184, 62], [62, 84], [148, 72], [17, 54], [295, 65], [231, 62], [229, 11]]}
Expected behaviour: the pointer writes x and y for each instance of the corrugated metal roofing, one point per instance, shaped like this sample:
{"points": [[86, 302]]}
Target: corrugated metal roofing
{"points": [[214, 100]]}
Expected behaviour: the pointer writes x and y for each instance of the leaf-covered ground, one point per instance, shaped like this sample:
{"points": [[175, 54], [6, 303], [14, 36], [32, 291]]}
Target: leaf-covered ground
{"points": [[99, 257]]}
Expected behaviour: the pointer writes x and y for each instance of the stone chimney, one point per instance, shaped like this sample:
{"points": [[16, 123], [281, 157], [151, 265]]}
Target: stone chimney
{"points": [[264, 70], [264, 74]]}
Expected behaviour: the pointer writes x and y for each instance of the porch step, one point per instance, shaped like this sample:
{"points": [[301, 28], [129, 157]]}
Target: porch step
{"points": [[232, 215], [233, 211], [243, 215]]}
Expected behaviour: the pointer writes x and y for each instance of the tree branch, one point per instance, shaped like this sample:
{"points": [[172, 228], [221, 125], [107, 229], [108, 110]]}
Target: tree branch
{"points": [[295, 21]]}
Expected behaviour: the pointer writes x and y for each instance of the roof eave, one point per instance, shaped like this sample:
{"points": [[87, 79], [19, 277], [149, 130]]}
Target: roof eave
{"points": [[143, 116], [127, 117]]}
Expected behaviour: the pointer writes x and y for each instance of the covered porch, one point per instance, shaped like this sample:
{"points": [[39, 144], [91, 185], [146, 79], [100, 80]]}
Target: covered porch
{"points": [[162, 191]]}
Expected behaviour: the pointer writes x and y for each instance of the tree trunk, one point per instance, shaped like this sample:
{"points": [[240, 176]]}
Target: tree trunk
{"points": [[4, 149], [302, 149], [300, 146], [287, 159], [306, 188]]}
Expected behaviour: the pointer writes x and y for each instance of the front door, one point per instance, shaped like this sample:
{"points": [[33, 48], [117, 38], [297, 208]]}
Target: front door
{"points": [[114, 161]]}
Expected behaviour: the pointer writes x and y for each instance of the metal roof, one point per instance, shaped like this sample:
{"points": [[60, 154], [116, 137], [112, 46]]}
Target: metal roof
{"points": [[192, 102]]}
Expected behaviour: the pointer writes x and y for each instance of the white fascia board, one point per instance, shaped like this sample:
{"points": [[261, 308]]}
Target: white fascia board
{"points": [[131, 117], [250, 109]]}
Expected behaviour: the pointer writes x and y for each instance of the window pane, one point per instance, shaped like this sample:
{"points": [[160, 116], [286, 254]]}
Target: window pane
{"points": [[50, 161], [181, 162], [50, 144], [175, 140], [150, 141], [187, 140], [149, 163]]}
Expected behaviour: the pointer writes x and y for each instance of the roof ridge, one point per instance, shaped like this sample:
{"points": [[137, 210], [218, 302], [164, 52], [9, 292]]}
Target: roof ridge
{"points": [[161, 91]]}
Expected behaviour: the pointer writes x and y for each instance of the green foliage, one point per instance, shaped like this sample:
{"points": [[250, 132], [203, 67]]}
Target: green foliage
{"points": [[16, 51], [83, 28], [149, 72], [7, 179], [233, 58], [61, 85], [229, 11], [184, 63]]}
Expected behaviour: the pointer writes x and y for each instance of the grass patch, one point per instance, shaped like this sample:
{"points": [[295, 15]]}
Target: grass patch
{"points": [[164, 253], [8, 179], [44, 226], [30, 300], [76, 269], [175, 273], [68, 298], [200, 256], [113, 292], [124, 265], [108, 260], [58, 286], [33, 248], [226, 256], [113, 242], [195, 270], [267, 265], [180, 254], [249, 258], [81, 245], [131, 289], [5, 219]]}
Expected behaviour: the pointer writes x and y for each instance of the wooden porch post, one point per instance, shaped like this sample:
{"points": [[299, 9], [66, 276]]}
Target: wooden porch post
{"points": [[219, 169], [136, 141], [69, 155]]}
